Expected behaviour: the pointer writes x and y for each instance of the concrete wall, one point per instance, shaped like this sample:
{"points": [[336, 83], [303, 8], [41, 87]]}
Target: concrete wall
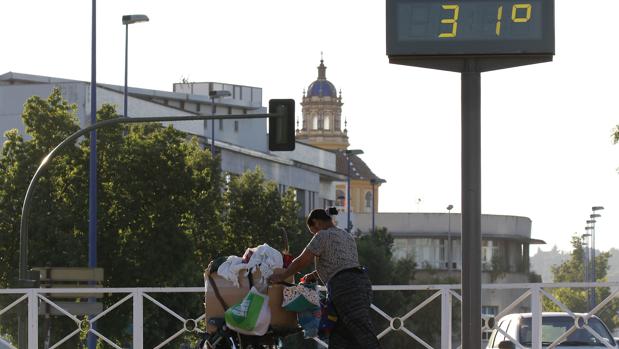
{"points": [[310, 155], [428, 223]]}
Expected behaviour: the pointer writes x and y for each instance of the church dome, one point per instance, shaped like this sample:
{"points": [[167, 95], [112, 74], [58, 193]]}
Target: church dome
{"points": [[321, 87]]}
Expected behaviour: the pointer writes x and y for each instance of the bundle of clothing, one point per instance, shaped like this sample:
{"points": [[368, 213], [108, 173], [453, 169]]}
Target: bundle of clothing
{"points": [[263, 257]]}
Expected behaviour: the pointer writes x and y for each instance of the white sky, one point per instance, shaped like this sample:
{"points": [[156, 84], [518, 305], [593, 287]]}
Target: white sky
{"points": [[546, 148]]}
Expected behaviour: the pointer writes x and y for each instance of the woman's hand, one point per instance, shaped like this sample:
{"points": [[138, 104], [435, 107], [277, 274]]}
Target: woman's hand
{"points": [[309, 278], [277, 276]]}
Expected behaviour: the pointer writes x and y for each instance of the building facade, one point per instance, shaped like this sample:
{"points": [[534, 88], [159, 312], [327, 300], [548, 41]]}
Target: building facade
{"points": [[242, 144], [433, 242]]}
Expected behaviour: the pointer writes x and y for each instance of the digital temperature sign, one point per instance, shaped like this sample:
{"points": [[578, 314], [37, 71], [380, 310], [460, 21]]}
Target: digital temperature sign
{"points": [[476, 27]]}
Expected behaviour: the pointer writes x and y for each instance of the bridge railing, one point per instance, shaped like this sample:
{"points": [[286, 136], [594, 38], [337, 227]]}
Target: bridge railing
{"points": [[531, 296]]}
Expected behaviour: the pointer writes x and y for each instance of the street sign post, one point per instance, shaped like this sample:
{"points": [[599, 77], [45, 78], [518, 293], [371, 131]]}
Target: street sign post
{"points": [[470, 37]]}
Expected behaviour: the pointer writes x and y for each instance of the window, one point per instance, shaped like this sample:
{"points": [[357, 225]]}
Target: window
{"points": [[182, 104], [327, 123], [221, 125], [499, 337], [198, 107], [368, 199], [315, 122], [555, 326], [236, 126], [488, 311]]}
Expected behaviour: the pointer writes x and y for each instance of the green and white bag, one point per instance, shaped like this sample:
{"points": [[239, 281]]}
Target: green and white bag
{"points": [[252, 316], [301, 297]]}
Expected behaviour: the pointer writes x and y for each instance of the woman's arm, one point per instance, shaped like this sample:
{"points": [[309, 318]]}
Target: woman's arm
{"points": [[304, 260]]}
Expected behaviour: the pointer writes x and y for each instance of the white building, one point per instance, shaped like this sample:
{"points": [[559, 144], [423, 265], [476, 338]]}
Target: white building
{"points": [[243, 144]]}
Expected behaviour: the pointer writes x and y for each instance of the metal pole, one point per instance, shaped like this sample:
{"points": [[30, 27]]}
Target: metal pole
{"points": [[593, 265], [471, 206], [126, 66], [92, 185], [373, 214], [449, 241], [213, 110], [348, 227]]}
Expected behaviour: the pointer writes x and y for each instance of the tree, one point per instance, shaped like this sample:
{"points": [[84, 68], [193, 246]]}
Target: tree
{"points": [[573, 270], [163, 211]]}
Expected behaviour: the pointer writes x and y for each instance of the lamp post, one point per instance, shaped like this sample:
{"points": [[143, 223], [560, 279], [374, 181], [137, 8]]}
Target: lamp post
{"points": [[129, 19], [375, 181], [214, 95], [349, 152], [449, 208], [588, 229], [585, 255], [593, 216]]}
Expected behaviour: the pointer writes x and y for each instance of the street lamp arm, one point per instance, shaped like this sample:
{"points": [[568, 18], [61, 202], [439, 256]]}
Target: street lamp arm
{"points": [[25, 213]]}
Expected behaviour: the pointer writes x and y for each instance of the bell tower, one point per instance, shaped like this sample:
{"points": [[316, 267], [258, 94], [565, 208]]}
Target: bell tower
{"points": [[322, 114]]}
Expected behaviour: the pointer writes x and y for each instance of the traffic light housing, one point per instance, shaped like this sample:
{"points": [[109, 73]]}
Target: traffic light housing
{"points": [[281, 125]]}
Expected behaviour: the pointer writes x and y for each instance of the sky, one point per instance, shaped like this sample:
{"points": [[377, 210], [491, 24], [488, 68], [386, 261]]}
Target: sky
{"points": [[546, 147]]}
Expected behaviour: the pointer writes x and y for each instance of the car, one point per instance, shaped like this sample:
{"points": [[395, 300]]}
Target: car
{"points": [[4, 344], [518, 326]]}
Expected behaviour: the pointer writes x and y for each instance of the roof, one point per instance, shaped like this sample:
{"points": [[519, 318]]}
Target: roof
{"points": [[358, 169], [321, 88], [10, 78]]}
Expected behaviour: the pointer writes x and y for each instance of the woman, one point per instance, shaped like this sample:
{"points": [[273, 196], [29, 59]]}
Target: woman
{"points": [[348, 285]]}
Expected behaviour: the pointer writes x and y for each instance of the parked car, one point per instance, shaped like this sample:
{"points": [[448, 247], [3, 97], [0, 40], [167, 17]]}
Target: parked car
{"points": [[518, 326], [4, 344]]}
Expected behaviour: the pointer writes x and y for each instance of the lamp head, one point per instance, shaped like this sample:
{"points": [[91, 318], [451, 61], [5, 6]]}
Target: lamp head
{"points": [[354, 152], [595, 215], [597, 208], [130, 19], [450, 207]]}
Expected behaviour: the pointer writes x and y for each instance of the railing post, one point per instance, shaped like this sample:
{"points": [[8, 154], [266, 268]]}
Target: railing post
{"points": [[536, 317], [445, 319], [33, 320], [138, 319]]}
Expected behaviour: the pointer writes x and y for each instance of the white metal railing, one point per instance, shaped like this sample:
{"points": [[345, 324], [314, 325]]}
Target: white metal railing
{"points": [[35, 298]]}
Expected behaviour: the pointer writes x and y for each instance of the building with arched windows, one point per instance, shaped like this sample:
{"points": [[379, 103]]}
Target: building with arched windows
{"points": [[321, 126]]}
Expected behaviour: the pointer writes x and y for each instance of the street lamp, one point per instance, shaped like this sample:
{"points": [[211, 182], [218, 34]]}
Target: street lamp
{"points": [[375, 181], [349, 152], [129, 19], [593, 217], [215, 94], [449, 208], [585, 255]]}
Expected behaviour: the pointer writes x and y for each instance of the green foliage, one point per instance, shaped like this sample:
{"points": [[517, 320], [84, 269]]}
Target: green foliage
{"points": [[576, 300], [375, 252], [162, 212]]}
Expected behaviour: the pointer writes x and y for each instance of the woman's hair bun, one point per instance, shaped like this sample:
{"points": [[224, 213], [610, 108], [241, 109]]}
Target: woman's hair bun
{"points": [[331, 211]]}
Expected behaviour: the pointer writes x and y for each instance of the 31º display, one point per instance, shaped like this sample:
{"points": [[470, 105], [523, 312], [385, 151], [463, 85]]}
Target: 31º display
{"points": [[437, 27], [470, 20]]}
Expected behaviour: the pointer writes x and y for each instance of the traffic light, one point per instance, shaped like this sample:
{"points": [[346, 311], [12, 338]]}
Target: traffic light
{"points": [[281, 125]]}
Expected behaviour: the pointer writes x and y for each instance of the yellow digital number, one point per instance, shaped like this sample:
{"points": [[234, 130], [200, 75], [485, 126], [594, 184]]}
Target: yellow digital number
{"points": [[499, 16], [515, 9], [453, 21]]}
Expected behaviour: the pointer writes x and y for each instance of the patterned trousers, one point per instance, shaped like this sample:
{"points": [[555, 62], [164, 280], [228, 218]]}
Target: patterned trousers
{"points": [[351, 294]]}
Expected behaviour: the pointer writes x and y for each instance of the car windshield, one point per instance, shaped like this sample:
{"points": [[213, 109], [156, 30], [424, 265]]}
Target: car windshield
{"points": [[555, 326]]}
